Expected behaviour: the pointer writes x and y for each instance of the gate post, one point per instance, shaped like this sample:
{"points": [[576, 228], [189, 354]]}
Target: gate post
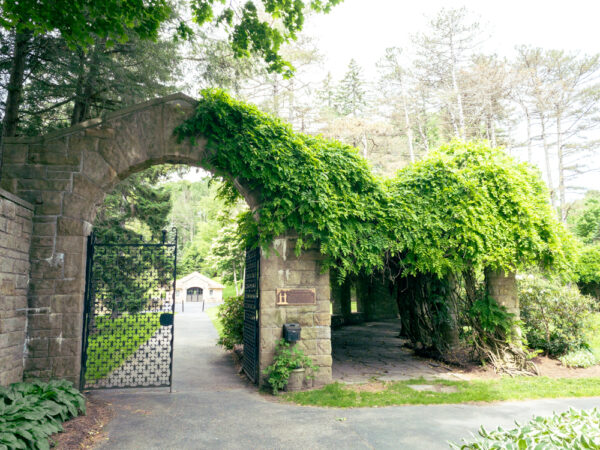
{"points": [[302, 276]]}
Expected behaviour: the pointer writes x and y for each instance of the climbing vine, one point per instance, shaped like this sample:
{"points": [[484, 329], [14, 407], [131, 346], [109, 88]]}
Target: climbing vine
{"points": [[466, 206]]}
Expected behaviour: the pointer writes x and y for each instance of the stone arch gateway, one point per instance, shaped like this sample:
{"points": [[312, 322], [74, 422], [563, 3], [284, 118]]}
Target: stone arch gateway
{"points": [[63, 176]]}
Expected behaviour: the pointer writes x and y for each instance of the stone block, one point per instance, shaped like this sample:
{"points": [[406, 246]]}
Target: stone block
{"points": [[70, 244], [322, 319], [51, 203], [322, 377], [78, 207]]}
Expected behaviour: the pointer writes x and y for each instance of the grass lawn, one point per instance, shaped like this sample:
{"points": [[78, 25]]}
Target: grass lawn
{"points": [[229, 291], [398, 393], [212, 313], [115, 340]]}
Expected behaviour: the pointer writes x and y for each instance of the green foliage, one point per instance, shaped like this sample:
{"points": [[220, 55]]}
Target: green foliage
{"points": [[227, 254], [575, 429], [286, 359], [585, 219], [587, 270], [116, 339], [31, 412], [553, 315], [491, 317], [231, 317], [465, 206], [468, 205], [79, 22], [320, 188], [579, 358]]}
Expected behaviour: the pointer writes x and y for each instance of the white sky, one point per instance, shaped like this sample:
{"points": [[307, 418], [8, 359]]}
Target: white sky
{"points": [[363, 29]]}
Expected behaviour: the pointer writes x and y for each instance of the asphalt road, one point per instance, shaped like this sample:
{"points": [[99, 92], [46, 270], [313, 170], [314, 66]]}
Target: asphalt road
{"points": [[212, 407]]}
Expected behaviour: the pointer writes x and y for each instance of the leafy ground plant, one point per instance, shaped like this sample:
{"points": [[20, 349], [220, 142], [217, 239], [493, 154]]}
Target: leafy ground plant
{"points": [[571, 429], [287, 358], [580, 358], [30, 412]]}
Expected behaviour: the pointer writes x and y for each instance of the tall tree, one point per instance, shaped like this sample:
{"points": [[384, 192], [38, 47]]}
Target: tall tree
{"points": [[442, 52], [351, 92]]}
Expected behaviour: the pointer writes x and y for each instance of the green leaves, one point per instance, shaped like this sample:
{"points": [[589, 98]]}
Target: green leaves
{"points": [[574, 429], [465, 206], [30, 412], [286, 359]]}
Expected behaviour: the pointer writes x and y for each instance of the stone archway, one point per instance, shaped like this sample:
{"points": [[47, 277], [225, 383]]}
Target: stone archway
{"points": [[66, 174]]}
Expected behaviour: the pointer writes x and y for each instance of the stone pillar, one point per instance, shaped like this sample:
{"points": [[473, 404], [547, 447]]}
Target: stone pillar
{"points": [[15, 240], [336, 294], [502, 287], [280, 268], [346, 299]]}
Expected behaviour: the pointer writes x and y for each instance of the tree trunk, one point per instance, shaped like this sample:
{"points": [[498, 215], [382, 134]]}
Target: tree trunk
{"points": [[529, 147], [409, 132], [86, 84], [237, 291], [461, 115], [14, 88], [561, 169], [547, 158]]}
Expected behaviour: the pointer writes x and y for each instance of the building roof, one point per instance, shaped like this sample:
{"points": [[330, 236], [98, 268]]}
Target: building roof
{"points": [[197, 276]]}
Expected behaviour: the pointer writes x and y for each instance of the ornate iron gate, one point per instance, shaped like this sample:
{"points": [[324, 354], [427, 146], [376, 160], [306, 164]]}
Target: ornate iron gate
{"points": [[251, 312], [128, 314]]}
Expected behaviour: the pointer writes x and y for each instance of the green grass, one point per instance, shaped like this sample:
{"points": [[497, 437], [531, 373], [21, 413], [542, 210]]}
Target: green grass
{"points": [[398, 393], [592, 334], [116, 340], [229, 291], [212, 313]]}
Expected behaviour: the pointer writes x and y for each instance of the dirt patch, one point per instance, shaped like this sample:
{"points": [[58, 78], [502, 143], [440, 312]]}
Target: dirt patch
{"points": [[375, 386], [84, 431], [554, 369]]}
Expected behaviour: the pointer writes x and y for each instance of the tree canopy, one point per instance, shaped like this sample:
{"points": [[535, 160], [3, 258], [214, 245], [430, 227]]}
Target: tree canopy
{"points": [[466, 205]]}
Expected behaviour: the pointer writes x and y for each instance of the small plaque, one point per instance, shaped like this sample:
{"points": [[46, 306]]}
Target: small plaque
{"points": [[293, 297]]}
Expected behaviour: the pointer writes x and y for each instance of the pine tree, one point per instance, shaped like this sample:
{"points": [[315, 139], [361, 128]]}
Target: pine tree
{"points": [[351, 93]]}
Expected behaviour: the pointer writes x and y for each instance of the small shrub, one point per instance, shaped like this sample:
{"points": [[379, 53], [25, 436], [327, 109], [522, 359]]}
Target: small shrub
{"points": [[553, 315], [579, 358], [231, 314], [588, 270], [286, 359], [571, 429], [30, 412]]}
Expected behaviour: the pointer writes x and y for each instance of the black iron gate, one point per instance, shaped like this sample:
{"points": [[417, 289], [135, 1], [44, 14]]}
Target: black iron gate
{"points": [[251, 311], [128, 314]]}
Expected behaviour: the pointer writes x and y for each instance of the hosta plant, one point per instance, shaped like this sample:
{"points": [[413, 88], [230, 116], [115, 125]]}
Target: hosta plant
{"points": [[31, 412], [571, 429]]}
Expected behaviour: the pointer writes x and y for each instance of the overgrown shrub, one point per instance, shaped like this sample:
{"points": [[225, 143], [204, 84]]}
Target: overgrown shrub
{"points": [[571, 429], [231, 314], [588, 270], [30, 412], [579, 358], [553, 314]]}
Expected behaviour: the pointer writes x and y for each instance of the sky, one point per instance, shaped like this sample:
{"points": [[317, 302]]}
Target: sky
{"points": [[363, 29]]}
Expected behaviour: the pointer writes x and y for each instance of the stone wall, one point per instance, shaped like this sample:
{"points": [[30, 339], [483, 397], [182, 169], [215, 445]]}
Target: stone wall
{"points": [[379, 298], [15, 240], [280, 268]]}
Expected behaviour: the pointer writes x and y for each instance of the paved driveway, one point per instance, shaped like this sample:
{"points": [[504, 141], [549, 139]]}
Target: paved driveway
{"points": [[212, 407]]}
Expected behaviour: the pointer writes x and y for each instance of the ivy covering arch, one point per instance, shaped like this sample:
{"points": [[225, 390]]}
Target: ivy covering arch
{"points": [[464, 206]]}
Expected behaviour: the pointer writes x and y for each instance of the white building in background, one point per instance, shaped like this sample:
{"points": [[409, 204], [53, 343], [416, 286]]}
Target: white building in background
{"points": [[196, 287]]}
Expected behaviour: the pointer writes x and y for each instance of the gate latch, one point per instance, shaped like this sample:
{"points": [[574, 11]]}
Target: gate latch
{"points": [[166, 319]]}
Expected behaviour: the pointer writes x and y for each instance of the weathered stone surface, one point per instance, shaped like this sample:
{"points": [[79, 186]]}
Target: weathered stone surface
{"points": [[66, 174], [15, 241]]}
